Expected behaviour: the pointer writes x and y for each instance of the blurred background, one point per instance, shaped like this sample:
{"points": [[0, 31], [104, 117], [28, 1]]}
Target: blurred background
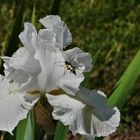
{"points": [[109, 30]]}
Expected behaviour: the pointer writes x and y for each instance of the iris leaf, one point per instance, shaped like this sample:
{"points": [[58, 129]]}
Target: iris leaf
{"points": [[61, 131], [126, 83], [26, 128]]}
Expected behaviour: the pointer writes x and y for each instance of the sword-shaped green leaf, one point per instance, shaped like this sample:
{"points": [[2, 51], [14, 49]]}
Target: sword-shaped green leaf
{"points": [[126, 83], [26, 128], [61, 131]]}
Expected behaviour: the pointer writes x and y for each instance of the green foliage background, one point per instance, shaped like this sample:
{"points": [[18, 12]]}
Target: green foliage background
{"points": [[107, 29]]}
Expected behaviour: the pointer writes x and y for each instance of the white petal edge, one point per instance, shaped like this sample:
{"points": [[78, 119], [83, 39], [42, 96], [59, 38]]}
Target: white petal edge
{"points": [[80, 117], [26, 35], [23, 60], [83, 59], [55, 23], [70, 112], [104, 128], [97, 100], [13, 106]]}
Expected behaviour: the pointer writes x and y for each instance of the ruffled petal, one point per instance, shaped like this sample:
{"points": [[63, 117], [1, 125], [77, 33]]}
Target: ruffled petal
{"points": [[48, 36], [63, 35], [51, 21], [29, 38], [69, 111], [104, 119], [87, 115], [79, 59], [13, 106], [27, 35], [23, 60], [104, 128], [21, 78], [22, 68]]}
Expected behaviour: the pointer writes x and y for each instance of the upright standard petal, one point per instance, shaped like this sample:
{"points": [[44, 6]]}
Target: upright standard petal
{"points": [[30, 38], [63, 35], [27, 35], [48, 36], [54, 73], [13, 106], [89, 117]]}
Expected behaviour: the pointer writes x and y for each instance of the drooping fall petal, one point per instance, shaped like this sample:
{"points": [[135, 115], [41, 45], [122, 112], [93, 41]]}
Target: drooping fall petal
{"points": [[89, 117], [13, 105]]}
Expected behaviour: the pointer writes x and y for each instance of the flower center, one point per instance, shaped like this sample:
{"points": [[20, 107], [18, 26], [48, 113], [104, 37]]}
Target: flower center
{"points": [[34, 92]]}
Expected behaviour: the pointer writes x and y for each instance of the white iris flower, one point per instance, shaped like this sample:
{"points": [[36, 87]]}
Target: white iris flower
{"points": [[42, 66], [37, 68], [86, 113]]}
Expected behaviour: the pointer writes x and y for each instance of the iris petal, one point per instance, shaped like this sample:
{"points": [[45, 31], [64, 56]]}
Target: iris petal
{"points": [[13, 106], [89, 117], [63, 35]]}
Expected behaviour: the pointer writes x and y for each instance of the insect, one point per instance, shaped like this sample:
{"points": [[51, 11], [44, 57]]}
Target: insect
{"points": [[68, 65]]}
